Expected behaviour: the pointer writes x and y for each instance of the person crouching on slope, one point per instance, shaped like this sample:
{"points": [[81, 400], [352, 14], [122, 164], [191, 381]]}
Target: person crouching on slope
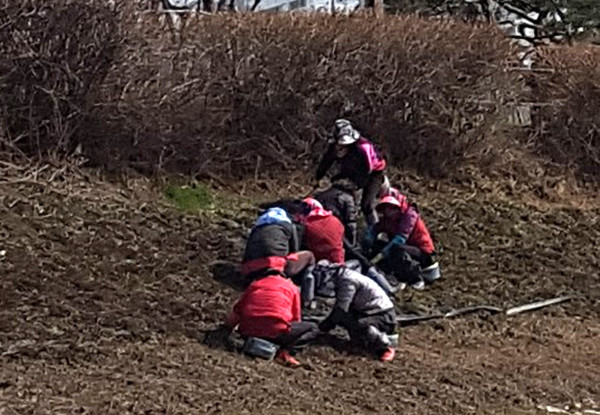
{"points": [[410, 254], [323, 233], [270, 309], [362, 308], [272, 248]]}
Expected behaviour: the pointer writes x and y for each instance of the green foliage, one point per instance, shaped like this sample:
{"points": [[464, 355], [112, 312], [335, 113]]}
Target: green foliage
{"points": [[190, 198]]}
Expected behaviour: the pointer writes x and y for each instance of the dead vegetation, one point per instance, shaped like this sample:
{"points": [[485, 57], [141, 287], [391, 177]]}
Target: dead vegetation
{"points": [[105, 291], [255, 94], [52, 59], [568, 131], [245, 94]]}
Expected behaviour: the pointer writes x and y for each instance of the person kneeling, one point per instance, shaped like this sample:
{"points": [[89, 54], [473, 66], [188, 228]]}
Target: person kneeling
{"points": [[364, 309], [270, 309], [410, 254]]}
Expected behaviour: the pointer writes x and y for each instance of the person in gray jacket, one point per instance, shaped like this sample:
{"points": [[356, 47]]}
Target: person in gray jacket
{"points": [[362, 307]]}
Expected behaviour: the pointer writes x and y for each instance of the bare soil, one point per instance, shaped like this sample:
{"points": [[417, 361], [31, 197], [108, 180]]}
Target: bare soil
{"points": [[105, 292]]}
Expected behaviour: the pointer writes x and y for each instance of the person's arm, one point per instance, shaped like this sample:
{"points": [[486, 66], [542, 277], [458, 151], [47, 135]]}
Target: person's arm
{"points": [[369, 238], [326, 162], [344, 297], [350, 215], [235, 315], [296, 237], [405, 227], [354, 253], [296, 305], [331, 321]]}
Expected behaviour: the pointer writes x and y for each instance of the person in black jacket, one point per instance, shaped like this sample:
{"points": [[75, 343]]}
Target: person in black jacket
{"points": [[339, 199], [272, 248], [360, 161]]}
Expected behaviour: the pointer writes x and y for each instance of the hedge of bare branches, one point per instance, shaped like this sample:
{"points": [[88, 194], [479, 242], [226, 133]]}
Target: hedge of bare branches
{"points": [[256, 94], [53, 55], [567, 126]]}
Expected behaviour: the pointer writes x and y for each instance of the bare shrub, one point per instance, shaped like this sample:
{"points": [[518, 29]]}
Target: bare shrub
{"points": [[256, 94], [250, 94], [567, 128], [52, 57]]}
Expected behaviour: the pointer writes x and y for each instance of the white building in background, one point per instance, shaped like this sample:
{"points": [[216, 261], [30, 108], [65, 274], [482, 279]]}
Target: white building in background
{"points": [[324, 6]]}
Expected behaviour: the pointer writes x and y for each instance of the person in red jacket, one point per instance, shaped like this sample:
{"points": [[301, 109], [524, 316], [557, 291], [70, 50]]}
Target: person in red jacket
{"points": [[410, 253], [270, 309], [323, 232]]}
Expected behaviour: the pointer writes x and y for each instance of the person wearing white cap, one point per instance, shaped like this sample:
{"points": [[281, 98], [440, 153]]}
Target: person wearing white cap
{"points": [[360, 161]]}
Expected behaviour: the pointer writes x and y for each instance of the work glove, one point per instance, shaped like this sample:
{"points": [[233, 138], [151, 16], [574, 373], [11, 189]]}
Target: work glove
{"points": [[398, 240], [331, 321]]}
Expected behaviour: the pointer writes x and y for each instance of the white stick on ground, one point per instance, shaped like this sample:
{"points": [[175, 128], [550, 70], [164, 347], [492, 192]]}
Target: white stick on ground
{"points": [[537, 305]]}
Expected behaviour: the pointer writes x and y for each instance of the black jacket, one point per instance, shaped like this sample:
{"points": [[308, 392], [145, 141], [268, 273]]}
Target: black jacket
{"points": [[342, 204], [271, 240], [353, 166]]}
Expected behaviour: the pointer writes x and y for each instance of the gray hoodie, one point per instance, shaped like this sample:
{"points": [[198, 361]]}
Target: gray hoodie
{"points": [[358, 292]]}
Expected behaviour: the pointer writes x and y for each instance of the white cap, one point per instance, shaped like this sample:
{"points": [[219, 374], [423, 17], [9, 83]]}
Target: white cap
{"points": [[344, 134]]}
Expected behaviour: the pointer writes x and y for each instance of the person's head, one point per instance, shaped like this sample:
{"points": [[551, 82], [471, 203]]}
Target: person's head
{"points": [[312, 207], [394, 192], [291, 206], [312, 203], [344, 135], [328, 271], [391, 207]]}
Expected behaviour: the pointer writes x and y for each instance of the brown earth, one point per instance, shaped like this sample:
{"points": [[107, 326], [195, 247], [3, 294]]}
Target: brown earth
{"points": [[105, 291]]}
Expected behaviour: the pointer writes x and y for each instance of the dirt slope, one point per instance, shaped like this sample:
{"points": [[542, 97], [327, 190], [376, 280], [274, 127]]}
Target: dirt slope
{"points": [[104, 291]]}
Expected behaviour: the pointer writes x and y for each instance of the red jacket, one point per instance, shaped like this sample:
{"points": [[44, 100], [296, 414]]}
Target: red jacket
{"points": [[410, 225], [267, 308], [324, 236]]}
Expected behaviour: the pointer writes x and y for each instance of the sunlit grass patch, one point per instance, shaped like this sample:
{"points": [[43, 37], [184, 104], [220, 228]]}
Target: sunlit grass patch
{"points": [[190, 198]]}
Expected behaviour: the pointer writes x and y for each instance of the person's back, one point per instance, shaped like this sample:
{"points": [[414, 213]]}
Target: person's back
{"points": [[324, 236], [360, 293], [268, 240], [268, 307], [339, 199], [272, 238]]}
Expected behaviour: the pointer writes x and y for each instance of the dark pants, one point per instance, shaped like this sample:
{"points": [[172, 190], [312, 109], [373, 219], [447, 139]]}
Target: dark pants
{"points": [[301, 334], [369, 196], [405, 263], [301, 273], [360, 326]]}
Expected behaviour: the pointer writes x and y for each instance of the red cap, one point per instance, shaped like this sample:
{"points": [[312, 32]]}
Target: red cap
{"points": [[399, 202]]}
